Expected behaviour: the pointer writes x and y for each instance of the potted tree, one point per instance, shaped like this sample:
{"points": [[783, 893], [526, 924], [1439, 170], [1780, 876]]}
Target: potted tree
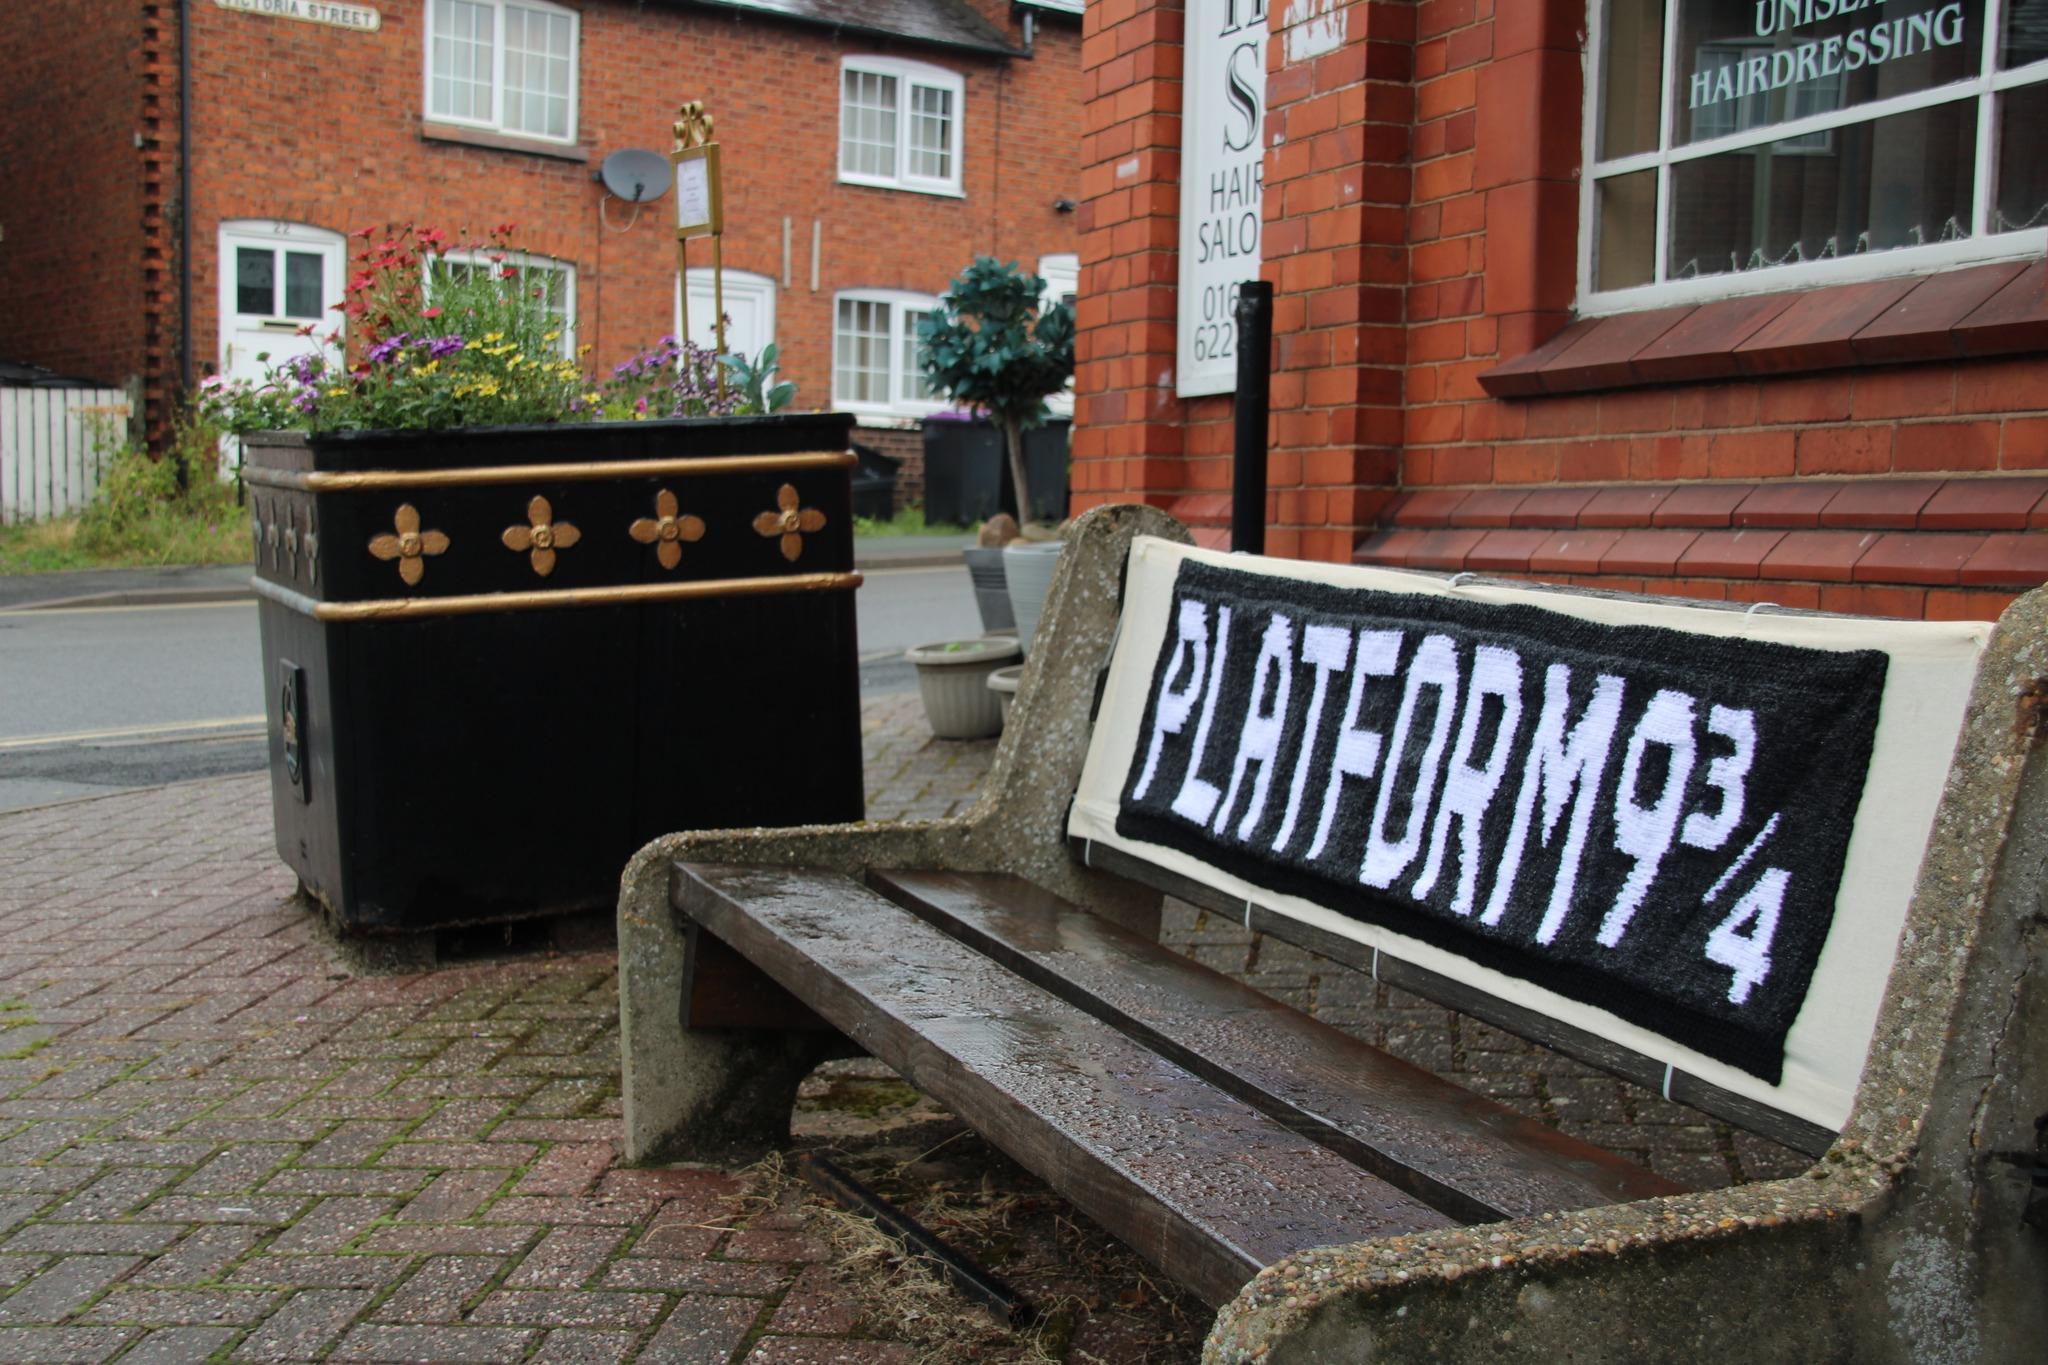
{"points": [[992, 346], [515, 622]]}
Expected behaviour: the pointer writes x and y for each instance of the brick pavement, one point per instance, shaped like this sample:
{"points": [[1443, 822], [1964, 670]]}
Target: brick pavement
{"points": [[215, 1142]]}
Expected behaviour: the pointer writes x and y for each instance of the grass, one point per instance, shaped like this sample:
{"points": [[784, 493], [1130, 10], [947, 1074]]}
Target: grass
{"points": [[908, 522], [141, 516]]}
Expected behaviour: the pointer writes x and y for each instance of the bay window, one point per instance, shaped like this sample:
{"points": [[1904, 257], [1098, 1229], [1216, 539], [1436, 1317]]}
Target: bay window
{"points": [[1736, 146]]}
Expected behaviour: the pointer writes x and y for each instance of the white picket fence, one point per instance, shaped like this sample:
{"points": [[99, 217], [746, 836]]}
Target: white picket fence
{"points": [[54, 444]]}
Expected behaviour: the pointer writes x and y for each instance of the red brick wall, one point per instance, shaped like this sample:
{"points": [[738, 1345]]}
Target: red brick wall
{"points": [[1421, 229], [78, 248], [321, 126]]}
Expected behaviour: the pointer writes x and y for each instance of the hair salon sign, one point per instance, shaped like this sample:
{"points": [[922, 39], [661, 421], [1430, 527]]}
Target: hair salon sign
{"points": [[360, 18], [1222, 170]]}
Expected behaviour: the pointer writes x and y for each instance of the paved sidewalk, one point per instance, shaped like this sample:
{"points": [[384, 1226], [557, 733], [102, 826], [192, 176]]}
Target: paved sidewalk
{"points": [[215, 1142]]}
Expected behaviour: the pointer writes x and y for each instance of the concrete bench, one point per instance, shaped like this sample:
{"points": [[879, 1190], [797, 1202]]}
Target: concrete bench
{"points": [[1785, 868]]}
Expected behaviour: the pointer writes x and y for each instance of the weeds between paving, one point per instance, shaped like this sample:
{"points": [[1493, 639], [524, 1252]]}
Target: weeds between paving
{"points": [[1094, 1302]]}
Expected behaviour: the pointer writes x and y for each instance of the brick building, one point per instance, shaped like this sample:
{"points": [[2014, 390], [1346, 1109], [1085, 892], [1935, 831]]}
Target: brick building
{"points": [[870, 151], [1727, 298]]}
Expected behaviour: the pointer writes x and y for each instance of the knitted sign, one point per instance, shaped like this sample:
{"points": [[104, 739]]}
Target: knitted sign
{"points": [[1645, 820]]}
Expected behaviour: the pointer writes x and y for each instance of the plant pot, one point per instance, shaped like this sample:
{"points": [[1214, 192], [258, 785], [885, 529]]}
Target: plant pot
{"points": [[1028, 569], [457, 737], [991, 588], [1003, 682], [952, 676]]}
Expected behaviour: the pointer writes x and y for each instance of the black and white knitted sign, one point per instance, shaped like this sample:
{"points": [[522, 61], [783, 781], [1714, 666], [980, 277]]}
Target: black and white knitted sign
{"points": [[1648, 821]]}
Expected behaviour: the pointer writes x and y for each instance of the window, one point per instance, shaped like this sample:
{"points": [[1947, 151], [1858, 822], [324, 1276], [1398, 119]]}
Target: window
{"points": [[1062, 276], [506, 65], [874, 353], [1738, 146], [899, 125], [551, 284]]}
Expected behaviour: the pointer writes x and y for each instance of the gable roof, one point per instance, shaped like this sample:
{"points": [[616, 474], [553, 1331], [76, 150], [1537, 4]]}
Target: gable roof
{"points": [[937, 23]]}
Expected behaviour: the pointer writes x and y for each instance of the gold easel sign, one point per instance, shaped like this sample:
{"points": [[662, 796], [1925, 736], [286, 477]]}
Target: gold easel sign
{"points": [[700, 206]]}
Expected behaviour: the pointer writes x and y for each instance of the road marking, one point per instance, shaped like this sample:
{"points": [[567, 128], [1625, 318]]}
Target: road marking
{"points": [[134, 731]]}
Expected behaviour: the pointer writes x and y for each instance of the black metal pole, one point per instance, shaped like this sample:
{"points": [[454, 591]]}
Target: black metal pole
{"points": [[1254, 391]]}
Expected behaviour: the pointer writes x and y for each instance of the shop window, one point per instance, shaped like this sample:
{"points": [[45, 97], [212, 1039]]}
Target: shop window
{"points": [[549, 284], [899, 125], [874, 353], [504, 65], [1739, 146]]}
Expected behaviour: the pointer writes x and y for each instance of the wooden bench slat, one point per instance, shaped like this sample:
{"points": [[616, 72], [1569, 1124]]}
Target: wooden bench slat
{"points": [[1201, 1183], [1466, 1154], [1592, 1049]]}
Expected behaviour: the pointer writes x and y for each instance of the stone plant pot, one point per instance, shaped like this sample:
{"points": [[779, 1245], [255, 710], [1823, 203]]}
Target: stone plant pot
{"points": [[991, 588], [952, 676], [479, 714], [1028, 570], [1003, 682]]}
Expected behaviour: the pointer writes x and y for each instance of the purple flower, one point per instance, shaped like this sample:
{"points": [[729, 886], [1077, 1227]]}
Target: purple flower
{"points": [[383, 352], [442, 347]]}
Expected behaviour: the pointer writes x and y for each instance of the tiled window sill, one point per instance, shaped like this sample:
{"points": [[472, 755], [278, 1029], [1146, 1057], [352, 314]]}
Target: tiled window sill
{"points": [[1984, 310]]}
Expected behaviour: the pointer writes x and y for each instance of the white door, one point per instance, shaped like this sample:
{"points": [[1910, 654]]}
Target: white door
{"points": [[749, 304], [275, 279]]}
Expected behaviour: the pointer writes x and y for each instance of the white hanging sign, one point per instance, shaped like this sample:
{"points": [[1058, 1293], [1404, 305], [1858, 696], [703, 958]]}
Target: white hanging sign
{"points": [[360, 18], [1221, 185]]}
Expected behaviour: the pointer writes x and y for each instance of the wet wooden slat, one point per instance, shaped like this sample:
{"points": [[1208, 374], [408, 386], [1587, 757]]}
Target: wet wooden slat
{"points": [[1590, 1048], [1468, 1155], [1199, 1183]]}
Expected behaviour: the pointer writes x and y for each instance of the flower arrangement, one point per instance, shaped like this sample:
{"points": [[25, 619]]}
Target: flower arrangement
{"points": [[439, 332]]}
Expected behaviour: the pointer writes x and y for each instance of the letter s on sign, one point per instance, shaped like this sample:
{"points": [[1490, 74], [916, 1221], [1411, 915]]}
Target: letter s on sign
{"points": [[1243, 81]]}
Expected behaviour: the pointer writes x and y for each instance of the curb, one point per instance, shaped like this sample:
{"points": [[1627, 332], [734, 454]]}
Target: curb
{"points": [[137, 597]]}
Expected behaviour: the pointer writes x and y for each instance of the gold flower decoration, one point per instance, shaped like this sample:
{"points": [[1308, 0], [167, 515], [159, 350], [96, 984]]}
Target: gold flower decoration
{"points": [[792, 522], [666, 531], [541, 537], [410, 545]]}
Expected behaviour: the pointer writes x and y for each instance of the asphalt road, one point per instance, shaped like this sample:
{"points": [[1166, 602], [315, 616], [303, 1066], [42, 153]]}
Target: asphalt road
{"points": [[100, 699]]}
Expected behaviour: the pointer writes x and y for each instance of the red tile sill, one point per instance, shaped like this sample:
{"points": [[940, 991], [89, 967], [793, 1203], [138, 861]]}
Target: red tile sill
{"points": [[1995, 309]]}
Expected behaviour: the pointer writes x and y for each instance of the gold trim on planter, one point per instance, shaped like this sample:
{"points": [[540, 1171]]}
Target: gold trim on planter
{"points": [[541, 537], [339, 481], [469, 604]]}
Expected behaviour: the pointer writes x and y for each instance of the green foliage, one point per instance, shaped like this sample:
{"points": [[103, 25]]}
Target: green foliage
{"points": [[908, 522], [751, 378], [431, 343], [989, 347], [681, 379]]}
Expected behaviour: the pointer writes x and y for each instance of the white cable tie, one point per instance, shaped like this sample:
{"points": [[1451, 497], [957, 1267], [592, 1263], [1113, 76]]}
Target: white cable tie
{"points": [[1668, 1069], [1756, 607], [1247, 916], [1460, 577], [1375, 964], [1088, 854]]}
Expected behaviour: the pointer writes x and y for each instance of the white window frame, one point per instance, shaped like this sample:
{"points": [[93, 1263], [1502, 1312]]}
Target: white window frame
{"points": [[1062, 275], [1982, 245], [907, 75], [523, 261], [901, 302], [496, 122]]}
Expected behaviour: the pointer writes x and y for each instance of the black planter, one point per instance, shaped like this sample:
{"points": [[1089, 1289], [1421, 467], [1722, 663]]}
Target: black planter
{"points": [[490, 743], [967, 474]]}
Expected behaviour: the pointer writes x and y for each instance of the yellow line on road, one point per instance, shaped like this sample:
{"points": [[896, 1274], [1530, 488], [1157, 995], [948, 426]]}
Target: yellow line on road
{"points": [[133, 731]]}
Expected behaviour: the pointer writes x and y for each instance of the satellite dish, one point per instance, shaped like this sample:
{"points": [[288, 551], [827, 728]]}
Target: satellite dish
{"points": [[636, 175]]}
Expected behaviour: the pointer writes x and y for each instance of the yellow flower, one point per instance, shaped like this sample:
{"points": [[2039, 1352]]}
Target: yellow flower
{"points": [[593, 397], [337, 393], [494, 336], [583, 349], [430, 367], [552, 336]]}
